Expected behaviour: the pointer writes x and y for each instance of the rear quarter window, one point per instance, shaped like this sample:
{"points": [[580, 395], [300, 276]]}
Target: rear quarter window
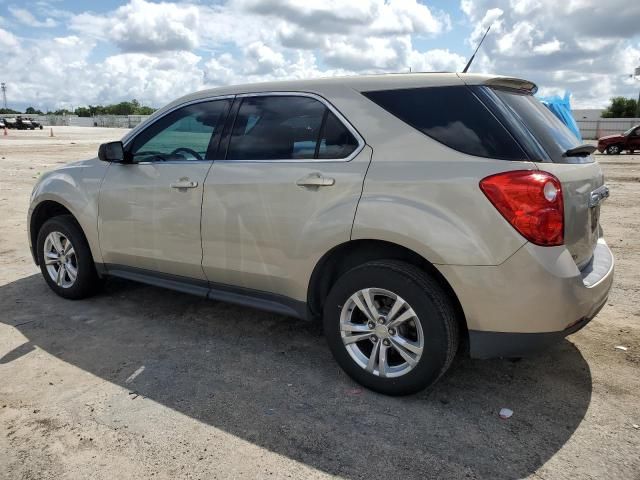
{"points": [[546, 128], [453, 116]]}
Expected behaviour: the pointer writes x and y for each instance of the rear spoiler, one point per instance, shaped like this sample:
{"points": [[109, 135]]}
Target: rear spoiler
{"points": [[513, 83], [500, 82]]}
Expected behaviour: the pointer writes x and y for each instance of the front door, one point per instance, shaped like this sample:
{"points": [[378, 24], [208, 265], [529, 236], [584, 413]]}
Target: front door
{"points": [[285, 193], [150, 207]]}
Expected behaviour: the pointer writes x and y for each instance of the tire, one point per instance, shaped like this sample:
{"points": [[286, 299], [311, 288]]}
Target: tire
{"points": [[434, 322], [79, 258], [614, 149]]}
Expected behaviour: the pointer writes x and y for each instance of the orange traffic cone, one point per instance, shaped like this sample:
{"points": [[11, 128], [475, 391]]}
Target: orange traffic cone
{"points": [[51, 133]]}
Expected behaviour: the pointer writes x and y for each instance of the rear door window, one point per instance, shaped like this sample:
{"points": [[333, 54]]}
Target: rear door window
{"points": [[336, 141], [287, 128], [453, 116]]}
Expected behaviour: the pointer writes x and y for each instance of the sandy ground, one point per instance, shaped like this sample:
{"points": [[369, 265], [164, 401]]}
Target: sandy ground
{"points": [[140, 382]]}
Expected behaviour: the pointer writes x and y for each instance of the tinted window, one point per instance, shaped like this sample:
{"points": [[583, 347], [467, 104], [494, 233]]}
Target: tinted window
{"points": [[283, 128], [181, 135], [453, 116], [552, 134], [336, 140]]}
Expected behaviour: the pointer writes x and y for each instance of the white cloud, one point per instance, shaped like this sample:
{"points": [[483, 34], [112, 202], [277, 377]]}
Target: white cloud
{"points": [[160, 50], [436, 60], [548, 47], [142, 26], [524, 7], [584, 46], [252, 40], [27, 18], [263, 59], [8, 40]]}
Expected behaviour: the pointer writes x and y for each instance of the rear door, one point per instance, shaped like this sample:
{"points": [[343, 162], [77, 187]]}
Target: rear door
{"points": [[284, 192], [581, 177], [150, 208]]}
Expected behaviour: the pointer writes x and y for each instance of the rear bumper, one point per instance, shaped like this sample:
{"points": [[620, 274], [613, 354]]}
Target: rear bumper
{"points": [[532, 300], [500, 344]]}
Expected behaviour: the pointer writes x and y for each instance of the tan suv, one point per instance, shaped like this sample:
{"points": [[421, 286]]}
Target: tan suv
{"points": [[409, 212]]}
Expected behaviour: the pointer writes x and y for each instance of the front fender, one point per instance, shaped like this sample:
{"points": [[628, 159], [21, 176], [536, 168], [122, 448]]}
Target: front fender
{"points": [[76, 187]]}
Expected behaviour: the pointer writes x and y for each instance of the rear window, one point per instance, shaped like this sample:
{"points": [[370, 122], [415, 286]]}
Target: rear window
{"points": [[453, 116], [548, 130]]}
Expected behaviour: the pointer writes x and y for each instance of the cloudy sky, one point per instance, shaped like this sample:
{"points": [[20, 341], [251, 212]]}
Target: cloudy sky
{"points": [[68, 53]]}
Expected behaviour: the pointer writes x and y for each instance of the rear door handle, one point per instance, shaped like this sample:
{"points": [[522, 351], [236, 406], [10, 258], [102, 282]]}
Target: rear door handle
{"points": [[184, 183], [315, 180]]}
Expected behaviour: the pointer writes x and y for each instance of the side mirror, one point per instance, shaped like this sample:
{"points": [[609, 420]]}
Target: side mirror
{"points": [[111, 152]]}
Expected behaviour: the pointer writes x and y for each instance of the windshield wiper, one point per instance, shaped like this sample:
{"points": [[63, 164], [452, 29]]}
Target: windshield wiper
{"points": [[580, 151]]}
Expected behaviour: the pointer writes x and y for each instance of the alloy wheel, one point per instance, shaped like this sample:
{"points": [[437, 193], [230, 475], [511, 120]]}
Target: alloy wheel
{"points": [[381, 332], [60, 259]]}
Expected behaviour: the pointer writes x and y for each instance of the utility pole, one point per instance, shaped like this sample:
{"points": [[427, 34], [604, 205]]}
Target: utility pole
{"points": [[636, 74], [4, 94]]}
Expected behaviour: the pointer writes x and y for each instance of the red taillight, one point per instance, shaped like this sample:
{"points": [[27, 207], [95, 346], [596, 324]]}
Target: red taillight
{"points": [[531, 201]]}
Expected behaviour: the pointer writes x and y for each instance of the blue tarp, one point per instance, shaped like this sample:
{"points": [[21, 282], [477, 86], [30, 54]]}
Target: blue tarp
{"points": [[561, 108]]}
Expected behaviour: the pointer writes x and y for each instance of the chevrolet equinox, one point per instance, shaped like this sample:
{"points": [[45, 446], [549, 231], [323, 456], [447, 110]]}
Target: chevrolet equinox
{"points": [[409, 213]]}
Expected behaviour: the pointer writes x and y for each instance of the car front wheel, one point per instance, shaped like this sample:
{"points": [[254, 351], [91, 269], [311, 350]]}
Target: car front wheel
{"points": [[391, 327], [613, 149], [65, 258]]}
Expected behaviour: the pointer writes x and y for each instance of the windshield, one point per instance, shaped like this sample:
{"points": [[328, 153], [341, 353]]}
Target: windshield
{"points": [[553, 135], [630, 131]]}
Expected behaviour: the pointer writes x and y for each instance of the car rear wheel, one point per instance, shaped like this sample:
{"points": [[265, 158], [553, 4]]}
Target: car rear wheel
{"points": [[65, 259], [391, 327], [613, 149]]}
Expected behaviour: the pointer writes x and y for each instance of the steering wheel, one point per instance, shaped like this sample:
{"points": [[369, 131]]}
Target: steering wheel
{"points": [[193, 153]]}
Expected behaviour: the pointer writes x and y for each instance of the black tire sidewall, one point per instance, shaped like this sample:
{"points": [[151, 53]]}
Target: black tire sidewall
{"points": [[86, 280], [430, 315]]}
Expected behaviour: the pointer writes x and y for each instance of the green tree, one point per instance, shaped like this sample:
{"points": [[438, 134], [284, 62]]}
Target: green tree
{"points": [[83, 111], [145, 110], [134, 107], [8, 111], [32, 111], [621, 107]]}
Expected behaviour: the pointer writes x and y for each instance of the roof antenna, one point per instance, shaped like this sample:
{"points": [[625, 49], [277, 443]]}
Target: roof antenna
{"points": [[477, 48]]}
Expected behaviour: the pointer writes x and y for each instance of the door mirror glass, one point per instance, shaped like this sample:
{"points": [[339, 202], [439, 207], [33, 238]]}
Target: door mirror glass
{"points": [[111, 152]]}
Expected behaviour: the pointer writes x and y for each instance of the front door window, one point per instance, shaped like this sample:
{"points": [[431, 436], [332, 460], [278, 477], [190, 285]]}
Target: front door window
{"points": [[182, 135]]}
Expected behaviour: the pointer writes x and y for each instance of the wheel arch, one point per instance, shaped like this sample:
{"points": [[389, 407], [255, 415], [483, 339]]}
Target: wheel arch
{"points": [[41, 213], [350, 254]]}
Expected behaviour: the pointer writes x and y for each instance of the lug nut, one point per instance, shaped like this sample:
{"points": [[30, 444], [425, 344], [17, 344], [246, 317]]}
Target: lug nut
{"points": [[392, 331], [381, 320], [371, 325], [386, 342], [374, 339]]}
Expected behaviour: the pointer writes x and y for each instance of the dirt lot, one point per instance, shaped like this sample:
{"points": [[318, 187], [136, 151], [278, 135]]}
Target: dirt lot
{"points": [[140, 382]]}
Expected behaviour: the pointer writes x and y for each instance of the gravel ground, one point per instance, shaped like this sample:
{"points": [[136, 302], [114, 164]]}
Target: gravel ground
{"points": [[140, 382]]}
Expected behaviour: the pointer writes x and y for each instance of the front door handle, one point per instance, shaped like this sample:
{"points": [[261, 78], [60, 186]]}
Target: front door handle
{"points": [[315, 180], [184, 183]]}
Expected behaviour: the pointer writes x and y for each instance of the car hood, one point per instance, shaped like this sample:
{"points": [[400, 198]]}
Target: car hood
{"points": [[611, 137]]}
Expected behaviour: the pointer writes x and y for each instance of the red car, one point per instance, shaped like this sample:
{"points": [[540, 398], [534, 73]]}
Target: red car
{"points": [[614, 144]]}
